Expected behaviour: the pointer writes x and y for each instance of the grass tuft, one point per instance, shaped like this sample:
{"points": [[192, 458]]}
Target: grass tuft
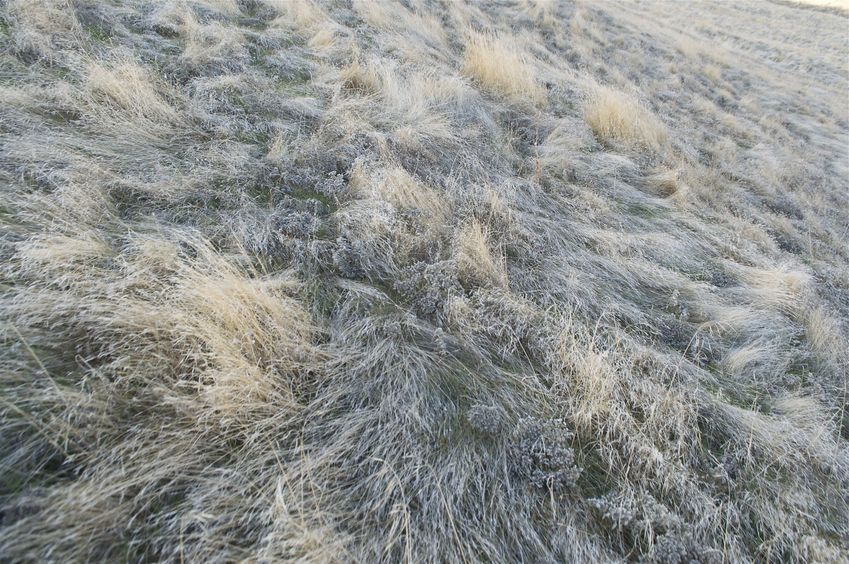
{"points": [[619, 119], [497, 64]]}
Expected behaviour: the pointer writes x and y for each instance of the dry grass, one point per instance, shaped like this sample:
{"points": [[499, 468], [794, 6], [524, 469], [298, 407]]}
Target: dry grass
{"points": [[475, 259], [497, 64], [825, 336], [362, 78], [617, 118], [303, 14], [396, 186], [665, 182], [329, 281], [125, 87]]}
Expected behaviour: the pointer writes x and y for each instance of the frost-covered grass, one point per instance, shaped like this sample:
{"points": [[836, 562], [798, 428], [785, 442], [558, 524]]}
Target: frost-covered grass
{"points": [[331, 281]]}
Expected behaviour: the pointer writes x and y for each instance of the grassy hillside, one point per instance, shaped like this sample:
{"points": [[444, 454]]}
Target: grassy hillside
{"points": [[425, 280]]}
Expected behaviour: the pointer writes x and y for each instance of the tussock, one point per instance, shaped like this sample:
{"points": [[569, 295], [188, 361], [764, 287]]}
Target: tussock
{"points": [[666, 183], [373, 281], [303, 14], [617, 118], [475, 259], [824, 335], [125, 87], [497, 64], [396, 186]]}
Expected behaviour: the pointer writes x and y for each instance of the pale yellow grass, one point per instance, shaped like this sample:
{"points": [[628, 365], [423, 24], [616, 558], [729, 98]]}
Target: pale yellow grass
{"points": [[477, 262], [616, 117], [396, 186], [125, 86], [496, 62]]}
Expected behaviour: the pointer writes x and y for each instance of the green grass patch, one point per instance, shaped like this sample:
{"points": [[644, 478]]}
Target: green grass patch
{"points": [[98, 33], [305, 194], [641, 210]]}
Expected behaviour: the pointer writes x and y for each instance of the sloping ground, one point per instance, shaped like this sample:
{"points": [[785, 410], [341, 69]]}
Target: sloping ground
{"points": [[423, 281]]}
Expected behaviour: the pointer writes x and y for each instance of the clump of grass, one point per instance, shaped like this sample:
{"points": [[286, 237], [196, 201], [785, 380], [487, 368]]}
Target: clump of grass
{"points": [[713, 72], [823, 333], [37, 27], [363, 78], [782, 287], [475, 259], [665, 183], [125, 86], [497, 64], [305, 15], [395, 185], [619, 119], [542, 12]]}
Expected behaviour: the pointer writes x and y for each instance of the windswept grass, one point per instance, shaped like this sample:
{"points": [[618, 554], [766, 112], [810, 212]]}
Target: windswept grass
{"points": [[378, 281]]}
